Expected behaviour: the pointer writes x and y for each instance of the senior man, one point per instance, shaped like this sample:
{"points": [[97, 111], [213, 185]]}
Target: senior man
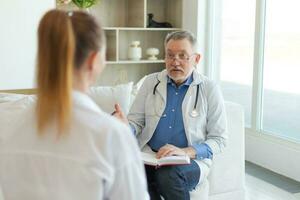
{"points": [[178, 112]]}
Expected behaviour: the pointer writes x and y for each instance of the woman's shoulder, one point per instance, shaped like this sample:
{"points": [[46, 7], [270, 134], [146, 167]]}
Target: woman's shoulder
{"points": [[113, 137], [95, 118], [100, 124]]}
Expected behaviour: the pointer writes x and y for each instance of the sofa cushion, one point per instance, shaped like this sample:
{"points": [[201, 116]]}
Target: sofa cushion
{"points": [[104, 96], [107, 96], [10, 97]]}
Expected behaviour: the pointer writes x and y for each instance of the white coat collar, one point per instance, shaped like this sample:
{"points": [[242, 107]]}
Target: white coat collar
{"points": [[162, 79]]}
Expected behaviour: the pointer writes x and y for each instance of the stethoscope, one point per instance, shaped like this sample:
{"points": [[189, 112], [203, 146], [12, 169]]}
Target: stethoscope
{"points": [[194, 112]]}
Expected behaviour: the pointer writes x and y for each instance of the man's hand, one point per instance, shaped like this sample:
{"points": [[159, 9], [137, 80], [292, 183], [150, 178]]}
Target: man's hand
{"points": [[170, 150], [118, 113]]}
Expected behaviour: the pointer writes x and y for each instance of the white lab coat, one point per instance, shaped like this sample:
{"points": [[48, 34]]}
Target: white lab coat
{"points": [[208, 127], [98, 159]]}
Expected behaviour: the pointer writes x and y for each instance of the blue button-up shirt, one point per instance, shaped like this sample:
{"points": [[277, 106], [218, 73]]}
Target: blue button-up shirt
{"points": [[170, 128]]}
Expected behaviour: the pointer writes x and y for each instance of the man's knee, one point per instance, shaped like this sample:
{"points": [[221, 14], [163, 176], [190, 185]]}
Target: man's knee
{"points": [[169, 177]]}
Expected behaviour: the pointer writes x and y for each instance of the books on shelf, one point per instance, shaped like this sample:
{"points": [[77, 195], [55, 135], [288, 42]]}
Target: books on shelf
{"points": [[150, 159]]}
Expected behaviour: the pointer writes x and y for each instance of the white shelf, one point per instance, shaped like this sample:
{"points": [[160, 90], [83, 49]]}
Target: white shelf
{"points": [[125, 21], [162, 29], [111, 62], [139, 29], [135, 61]]}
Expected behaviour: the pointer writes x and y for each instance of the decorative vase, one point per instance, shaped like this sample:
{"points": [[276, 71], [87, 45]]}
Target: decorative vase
{"points": [[152, 53], [135, 51]]}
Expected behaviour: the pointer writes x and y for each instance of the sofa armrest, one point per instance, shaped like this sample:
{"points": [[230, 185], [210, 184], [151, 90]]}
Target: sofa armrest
{"points": [[228, 169]]}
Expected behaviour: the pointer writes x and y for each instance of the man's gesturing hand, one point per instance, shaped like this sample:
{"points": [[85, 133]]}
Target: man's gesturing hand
{"points": [[118, 113]]}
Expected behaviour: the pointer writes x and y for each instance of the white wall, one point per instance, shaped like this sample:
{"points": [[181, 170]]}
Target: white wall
{"points": [[273, 153], [19, 20], [194, 20]]}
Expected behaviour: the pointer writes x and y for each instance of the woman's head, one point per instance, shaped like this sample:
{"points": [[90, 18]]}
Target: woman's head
{"points": [[71, 49]]}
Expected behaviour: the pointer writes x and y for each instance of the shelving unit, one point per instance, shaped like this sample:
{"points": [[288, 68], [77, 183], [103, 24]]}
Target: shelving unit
{"points": [[125, 21]]}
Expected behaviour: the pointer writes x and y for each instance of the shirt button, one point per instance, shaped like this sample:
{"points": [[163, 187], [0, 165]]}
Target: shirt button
{"points": [[176, 93], [164, 115], [173, 110], [170, 126]]}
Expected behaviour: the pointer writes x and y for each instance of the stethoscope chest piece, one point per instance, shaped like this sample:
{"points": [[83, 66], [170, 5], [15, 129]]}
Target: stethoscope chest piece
{"points": [[194, 113]]}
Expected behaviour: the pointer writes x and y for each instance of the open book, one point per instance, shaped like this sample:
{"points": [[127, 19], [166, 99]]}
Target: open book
{"points": [[150, 159]]}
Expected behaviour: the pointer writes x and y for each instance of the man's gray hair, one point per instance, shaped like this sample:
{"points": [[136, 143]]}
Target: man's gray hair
{"points": [[180, 35]]}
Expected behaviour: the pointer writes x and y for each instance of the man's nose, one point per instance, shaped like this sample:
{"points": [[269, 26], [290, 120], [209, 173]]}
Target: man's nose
{"points": [[175, 60]]}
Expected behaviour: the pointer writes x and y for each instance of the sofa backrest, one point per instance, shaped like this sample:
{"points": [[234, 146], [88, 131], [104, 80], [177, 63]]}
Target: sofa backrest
{"points": [[104, 96]]}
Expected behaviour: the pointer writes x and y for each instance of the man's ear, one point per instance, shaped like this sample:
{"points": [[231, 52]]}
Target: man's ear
{"points": [[197, 58]]}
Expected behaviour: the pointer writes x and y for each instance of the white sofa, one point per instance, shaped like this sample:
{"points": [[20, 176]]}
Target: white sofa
{"points": [[226, 178], [227, 175]]}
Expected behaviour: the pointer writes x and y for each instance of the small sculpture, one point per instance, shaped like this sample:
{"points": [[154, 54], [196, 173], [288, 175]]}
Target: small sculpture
{"points": [[152, 53], [154, 24]]}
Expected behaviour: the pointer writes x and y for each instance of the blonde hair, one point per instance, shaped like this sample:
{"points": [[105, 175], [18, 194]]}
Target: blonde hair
{"points": [[64, 42]]}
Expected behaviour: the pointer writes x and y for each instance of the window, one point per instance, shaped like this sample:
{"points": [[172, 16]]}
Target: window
{"points": [[236, 60], [279, 70], [281, 97]]}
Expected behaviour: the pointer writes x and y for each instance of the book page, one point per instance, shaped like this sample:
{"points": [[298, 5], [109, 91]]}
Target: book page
{"points": [[174, 160], [150, 159]]}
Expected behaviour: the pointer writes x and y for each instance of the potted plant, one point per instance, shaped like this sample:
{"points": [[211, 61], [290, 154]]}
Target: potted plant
{"points": [[81, 4], [84, 4]]}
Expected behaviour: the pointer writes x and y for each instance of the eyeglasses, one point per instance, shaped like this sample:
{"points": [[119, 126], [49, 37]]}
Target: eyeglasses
{"points": [[180, 57]]}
